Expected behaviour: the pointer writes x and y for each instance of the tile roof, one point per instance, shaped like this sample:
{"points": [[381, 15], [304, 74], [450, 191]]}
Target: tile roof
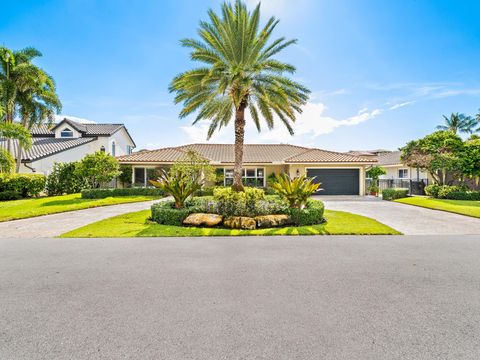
{"points": [[253, 153], [321, 156], [86, 129], [43, 147], [390, 158]]}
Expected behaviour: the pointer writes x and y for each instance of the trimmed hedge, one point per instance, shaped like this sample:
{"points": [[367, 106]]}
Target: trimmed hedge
{"points": [[25, 185], [312, 214], [9, 195], [392, 194], [451, 192], [104, 193], [165, 212]]}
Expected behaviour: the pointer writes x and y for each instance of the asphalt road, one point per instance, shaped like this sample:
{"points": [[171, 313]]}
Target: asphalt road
{"points": [[276, 298]]}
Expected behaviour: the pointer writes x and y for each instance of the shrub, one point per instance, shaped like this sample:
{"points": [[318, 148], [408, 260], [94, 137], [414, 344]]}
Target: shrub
{"points": [[7, 161], [9, 195], [205, 191], [167, 213], [126, 175], [432, 190], [24, 184], [98, 168], [392, 194], [234, 203], [310, 215], [104, 193], [464, 195], [64, 179], [295, 191], [446, 190]]}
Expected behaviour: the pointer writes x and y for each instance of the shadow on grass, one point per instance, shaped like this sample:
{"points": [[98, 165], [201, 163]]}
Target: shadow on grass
{"points": [[65, 202]]}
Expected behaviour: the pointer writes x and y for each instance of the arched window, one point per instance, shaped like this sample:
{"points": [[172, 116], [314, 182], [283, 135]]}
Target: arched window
{"points": [[113, 148], [66, 133], [102, 148]]}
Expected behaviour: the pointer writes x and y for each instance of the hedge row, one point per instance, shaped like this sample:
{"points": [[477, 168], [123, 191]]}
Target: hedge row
{"points": [[104, 193], [451, 192], [392, 194], [165, 212], [25, 185]]}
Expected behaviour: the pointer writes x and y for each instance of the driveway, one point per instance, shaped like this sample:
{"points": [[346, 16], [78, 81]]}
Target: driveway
{"points": [[408, 219], [244, 298], [57, 224]]}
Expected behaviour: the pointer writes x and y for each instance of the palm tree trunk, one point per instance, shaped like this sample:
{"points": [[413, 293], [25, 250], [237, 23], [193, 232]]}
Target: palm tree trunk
{"points": [[19, 148], [239, 139]]}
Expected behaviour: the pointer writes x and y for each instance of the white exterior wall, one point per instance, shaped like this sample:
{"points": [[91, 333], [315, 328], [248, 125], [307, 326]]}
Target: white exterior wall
{"points": [[45, 165], [392, 172]]}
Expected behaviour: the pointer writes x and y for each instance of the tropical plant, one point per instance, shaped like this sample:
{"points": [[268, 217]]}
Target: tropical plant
{"points": [[126, 175], [64, 179], [15, 131], [27, 90], [179, 184], [295, 191], [437, 153], [374, 173], [239, 72], [98, 168], [457, 122], [7, 162]]}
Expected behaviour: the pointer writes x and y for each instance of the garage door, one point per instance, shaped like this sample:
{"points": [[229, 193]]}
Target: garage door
{"points": [[337, 181]]}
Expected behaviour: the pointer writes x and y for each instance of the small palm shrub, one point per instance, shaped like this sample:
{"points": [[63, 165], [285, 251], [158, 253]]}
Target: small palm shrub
{"points": [[178, 184], [295, 191]]}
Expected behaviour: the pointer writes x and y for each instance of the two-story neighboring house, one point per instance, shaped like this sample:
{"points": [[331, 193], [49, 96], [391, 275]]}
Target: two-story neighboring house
{"points": [[69, 141]]}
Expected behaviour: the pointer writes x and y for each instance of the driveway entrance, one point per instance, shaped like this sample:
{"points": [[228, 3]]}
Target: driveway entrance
{"points": [[410, 220]]}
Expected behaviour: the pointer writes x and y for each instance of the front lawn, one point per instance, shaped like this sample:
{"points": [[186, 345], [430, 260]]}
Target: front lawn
{"points": [[463, 207], [21, 209], [136, 224]]}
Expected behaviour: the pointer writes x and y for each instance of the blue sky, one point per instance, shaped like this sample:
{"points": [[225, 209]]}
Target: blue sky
{"points": [[381, 72]]}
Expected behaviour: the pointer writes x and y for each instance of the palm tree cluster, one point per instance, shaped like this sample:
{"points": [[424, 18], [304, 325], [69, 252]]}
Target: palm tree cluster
{"points": [[27, 97], [238, 73], [461, 123]]}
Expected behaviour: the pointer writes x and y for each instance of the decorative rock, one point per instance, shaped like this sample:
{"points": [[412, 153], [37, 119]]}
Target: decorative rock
{"points": [[240, 222], [268, 221], [201, 219]]}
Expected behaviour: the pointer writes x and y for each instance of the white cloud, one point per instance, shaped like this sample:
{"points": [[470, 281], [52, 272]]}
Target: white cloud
{"points": [[311, 124], [59, 118], [400, 105]]}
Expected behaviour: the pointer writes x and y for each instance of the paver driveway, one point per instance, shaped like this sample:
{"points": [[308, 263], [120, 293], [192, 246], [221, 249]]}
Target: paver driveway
{"points": [[408, 219], [57, 224]]}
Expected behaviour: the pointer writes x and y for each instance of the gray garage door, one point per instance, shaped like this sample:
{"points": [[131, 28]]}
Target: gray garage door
{"points": [[337, 181]]}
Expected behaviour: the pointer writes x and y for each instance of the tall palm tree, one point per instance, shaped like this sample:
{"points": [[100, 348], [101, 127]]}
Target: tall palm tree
{"points": [[238, 72], [28, 90], [458, 123]]}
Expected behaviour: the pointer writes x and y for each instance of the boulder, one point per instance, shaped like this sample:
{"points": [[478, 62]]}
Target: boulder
{"points": [[240, 222], [201, 219], [268, 221]]}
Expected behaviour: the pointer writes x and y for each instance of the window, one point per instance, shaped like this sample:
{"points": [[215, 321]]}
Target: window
{"points": [[102, 148], [129, 149], [140, 177], [403, 173], [113, 149], [251, 177], [66, 133]]}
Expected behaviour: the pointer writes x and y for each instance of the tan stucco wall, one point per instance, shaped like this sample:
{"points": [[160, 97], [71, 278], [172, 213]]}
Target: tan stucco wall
{"points": [[392, 172], [290, 169]]}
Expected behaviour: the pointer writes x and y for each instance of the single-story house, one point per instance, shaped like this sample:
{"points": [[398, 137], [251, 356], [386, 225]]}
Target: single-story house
{"points": [[69, 141], [339, 173]]}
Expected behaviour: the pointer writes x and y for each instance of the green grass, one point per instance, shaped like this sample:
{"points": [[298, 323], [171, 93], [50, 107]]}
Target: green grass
{"points": [[21, 209], [463, 207], [136, 224]]}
